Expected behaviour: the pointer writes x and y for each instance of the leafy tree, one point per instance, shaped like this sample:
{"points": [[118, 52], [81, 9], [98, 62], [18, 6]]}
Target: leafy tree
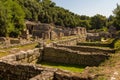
{"points": [[85, 23], [18, 16], [11, 17], [117, 16], [110, 21], [5, 19], [98, 21], [31, 8]]}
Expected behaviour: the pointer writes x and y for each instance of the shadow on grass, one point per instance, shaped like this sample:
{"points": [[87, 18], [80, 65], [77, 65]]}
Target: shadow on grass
{"points": [[69, 67]]}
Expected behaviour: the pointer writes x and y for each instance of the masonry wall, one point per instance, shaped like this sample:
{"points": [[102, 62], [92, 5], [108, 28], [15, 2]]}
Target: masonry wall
{"points": [[94, 44], [24, 57], [90, 49], [67, 42], [63, 55], [17, 71], [19, 67]]}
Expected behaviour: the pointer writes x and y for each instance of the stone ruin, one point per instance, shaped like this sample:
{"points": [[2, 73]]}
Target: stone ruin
{"points": [[17, 67], [35, 31], [97, 36], [22, 65], [48, 31]]}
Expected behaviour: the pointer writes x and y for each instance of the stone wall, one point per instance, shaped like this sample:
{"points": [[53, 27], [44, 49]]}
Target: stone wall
{"points": [[15, 41], [90, 49], [17, 71], [69, 42], [2, 39], [50, 31], [24, 57], [95, 44], [63, 55]]}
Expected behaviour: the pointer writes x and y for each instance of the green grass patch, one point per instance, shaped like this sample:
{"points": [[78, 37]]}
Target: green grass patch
{"points": [[3, 54], [73, 68], [107, 44], [23, 47], [28, 46], [117, 44], [5, 51]]}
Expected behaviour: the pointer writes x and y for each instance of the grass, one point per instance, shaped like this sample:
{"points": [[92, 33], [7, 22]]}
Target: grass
{"points": [[5, 52], [28, 46], [117, 44], [73, 68]]}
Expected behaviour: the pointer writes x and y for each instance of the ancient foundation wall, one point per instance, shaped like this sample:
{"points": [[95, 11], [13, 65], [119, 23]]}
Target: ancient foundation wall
{"points": [[12, 70], [94, 44], [24, 57], [88, 49], [67, 42], [63, 55], [16, 71]]}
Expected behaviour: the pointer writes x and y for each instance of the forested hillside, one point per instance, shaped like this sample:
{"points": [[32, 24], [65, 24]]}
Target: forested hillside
{"points": [[13, 14]]}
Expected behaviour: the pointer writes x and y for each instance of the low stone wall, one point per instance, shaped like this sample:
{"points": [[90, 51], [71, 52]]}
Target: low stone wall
{"points": [[15, 41], [67, 56], [24, 57], [16, 67], [19, 71], [8, 45], [69, 42], [90, 49], [16, 71], [93, 44]]}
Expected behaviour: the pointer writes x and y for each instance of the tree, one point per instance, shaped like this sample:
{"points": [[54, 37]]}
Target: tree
{"points": [[110, 21], [31, 8], [98, 21], [11, 18], [18, 16], [5, 19], [85, 23], [117, 17]]}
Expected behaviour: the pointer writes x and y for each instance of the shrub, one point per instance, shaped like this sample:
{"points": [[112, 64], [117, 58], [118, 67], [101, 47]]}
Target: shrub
{"points": [[117, 44]]}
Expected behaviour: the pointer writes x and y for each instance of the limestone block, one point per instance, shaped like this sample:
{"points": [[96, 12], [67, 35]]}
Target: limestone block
{"points": [[20, 55], [15, 41]]}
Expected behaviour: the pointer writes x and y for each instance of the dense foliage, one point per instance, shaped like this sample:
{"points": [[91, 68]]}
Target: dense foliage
{"points": [[13, 14], [11, 18], [117, 17]]}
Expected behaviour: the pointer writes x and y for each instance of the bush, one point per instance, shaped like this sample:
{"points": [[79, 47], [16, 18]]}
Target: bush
{"points": [[117, 44]]}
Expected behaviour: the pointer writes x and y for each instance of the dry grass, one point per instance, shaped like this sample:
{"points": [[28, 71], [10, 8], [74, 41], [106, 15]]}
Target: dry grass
{"points": [[108, 69]]}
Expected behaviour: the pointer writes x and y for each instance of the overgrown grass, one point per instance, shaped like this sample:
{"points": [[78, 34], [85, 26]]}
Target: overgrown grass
{"points": [[5, 52], [73, 68], [28, 46], [117, 44]]}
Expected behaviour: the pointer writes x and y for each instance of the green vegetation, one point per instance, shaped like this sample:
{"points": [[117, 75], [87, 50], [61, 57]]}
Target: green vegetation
{"points": [[117, 17], [95, 44], [13, 14], [11, 18], [98, 21], [4, 52], [73, 68], [117, 44]]}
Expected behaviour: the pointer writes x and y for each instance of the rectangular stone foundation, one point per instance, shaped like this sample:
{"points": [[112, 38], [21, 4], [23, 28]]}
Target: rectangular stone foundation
{"points": [[67, 56]]}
